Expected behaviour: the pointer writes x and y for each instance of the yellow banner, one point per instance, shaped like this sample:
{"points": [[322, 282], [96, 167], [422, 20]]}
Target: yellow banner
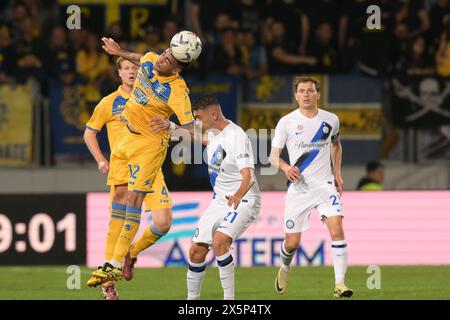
{"points": [[16, 126], [112, 6], [359, 122], [356, 122]]}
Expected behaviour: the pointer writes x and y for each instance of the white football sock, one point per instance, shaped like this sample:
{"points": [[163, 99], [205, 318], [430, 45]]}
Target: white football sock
{"points": [[194, 278], [340, 253], [226, 273], [285, 256]]}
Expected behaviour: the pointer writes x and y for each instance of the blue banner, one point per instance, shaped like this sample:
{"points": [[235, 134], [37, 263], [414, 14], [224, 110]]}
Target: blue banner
{"points": [[269, 89], [225, 88], [71, 107]]}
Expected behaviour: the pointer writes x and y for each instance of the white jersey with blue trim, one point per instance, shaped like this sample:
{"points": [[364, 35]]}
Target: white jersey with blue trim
{"points": [[229, 151], [308, 142]]}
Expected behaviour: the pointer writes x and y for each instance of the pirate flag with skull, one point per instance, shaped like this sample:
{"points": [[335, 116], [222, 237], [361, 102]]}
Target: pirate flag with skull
{"points": [[420, 102]]}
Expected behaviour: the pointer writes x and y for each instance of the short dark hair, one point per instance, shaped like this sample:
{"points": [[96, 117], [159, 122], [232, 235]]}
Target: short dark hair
{"points": [[184, 65], [299, 80], [373, 165], [204, 102]]}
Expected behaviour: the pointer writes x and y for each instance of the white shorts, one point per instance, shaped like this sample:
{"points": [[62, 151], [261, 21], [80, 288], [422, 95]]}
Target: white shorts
{"points": [[298, 206], [220, 217]]}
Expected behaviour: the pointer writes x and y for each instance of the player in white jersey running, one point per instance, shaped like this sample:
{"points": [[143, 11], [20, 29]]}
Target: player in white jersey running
{"points": [[236, 202], [311, 136]]}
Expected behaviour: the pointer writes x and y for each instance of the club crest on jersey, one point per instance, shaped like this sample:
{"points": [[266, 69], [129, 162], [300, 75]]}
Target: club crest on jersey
{"points": [[325, 130], [147, 68], [300, 129]]}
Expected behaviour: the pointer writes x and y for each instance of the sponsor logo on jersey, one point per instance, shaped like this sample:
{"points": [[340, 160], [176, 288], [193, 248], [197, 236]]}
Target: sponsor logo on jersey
{"points": [[243, 155]]}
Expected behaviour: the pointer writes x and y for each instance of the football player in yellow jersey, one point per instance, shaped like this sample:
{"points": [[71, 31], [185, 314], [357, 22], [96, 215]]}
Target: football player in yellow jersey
{"points": [[108, 112], [158, 92]]}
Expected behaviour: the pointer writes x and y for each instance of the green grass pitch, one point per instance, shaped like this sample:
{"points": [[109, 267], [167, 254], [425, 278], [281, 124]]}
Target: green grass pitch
{"points": [[257, 283]]}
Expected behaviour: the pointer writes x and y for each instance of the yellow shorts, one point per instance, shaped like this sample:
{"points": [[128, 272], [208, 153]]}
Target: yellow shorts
{"points": [[118, 171], [143, 157], [159, 198]]}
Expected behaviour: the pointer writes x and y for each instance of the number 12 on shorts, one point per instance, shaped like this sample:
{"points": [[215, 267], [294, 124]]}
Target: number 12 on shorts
{"points": [[135, 171], [229, 214]]}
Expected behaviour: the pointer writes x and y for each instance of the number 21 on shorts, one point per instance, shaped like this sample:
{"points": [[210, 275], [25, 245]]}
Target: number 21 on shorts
{"points": [[232, 218]]}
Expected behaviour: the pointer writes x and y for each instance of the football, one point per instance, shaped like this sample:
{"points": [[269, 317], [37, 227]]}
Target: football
{"points": [[186, 46]]}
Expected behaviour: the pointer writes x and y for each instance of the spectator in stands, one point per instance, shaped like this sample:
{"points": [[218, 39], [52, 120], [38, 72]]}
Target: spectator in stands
{"points": [[221, 22], [169, 29], [254, 57], [443, 52], [78, 38], [368, 49], [204, 14], [115, 31], [374, 179], [240, 38], [18, 14], [249, 14], [417, 61], [283, 56], [293, 15], [152, 42], [226, 56], [319, 12], [351, 23], [7, 59], [91, 62], [58, 52], [439, 14], [322, 48], [412, 20], [29, 52]]}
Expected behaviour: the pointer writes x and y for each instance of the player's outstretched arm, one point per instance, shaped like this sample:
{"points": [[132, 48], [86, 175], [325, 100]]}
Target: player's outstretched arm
{"points": [[90, 138], [336, 158], [292, 172], [158, 124], [246, 183], [113, 48]]}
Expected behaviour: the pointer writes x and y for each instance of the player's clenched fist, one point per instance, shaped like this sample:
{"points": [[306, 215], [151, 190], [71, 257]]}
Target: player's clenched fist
{"points": [[110, 46], [293, 174], [103, 166], [157, 124], [233, 201]]}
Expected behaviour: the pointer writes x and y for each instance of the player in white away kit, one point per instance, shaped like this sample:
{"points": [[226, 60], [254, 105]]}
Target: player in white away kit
{"points": [[311, 136], [236, 200]]}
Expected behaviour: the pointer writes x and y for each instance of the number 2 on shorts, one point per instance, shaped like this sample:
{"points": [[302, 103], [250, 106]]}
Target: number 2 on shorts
{"points": [[335, 201]]}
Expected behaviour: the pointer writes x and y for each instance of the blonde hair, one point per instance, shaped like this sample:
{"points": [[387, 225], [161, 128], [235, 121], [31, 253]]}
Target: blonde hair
{"points": [[119, 62]]}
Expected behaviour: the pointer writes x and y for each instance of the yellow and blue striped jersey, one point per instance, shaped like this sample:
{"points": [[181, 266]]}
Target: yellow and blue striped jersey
{"points": [[156, 96], [108, 111]]}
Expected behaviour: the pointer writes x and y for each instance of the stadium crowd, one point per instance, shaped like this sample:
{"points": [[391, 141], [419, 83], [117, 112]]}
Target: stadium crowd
{"points": [[245, 38]]}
